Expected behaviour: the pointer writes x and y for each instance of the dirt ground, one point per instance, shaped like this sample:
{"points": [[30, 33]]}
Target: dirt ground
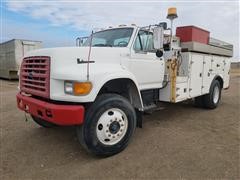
{"points": [[180, 141]]}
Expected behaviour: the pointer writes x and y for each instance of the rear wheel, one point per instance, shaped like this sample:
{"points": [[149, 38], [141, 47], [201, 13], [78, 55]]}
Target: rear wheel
{"points": [[198, 101], [212, 99], [42, 122], [109, 124]]}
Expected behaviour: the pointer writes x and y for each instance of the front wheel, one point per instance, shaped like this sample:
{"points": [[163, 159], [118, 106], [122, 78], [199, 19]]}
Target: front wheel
{"points": [[109, 124]]}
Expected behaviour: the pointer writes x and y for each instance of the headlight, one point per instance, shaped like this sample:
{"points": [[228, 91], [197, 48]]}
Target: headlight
{"points": [[77, 88], [68, 87]]}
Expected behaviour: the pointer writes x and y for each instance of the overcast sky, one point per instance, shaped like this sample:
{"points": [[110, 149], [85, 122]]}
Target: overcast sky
{"points": [[58, 23]]}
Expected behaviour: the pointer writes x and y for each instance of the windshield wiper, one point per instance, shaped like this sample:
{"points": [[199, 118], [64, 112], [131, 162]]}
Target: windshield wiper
{"points": [[103, 45]]}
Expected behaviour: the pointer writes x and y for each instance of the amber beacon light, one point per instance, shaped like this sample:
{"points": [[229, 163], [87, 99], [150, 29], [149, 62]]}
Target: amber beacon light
{"points": [[172, 13]]}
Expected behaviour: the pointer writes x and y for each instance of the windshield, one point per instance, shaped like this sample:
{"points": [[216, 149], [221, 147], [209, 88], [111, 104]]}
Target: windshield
{"points": [[111, 38]]}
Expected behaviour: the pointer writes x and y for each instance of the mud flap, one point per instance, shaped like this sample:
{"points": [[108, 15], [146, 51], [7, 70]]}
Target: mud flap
{"points": [[139, 118]]}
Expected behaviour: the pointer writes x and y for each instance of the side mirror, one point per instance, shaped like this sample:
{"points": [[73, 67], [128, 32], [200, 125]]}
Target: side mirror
{"points": [[158, 37], [80, 41], [163, 25], [159, 53]]}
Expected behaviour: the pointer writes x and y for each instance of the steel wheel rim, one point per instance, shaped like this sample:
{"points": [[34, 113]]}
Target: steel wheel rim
{"points": [[112, 126], [216, 93]]}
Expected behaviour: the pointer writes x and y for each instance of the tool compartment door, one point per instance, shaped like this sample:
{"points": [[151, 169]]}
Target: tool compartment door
{"points": [[196, 66], [227, 64], [217, 65], [207, 75]]}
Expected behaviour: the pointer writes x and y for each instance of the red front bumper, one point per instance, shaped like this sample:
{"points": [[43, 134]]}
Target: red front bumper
{"points": [[55, 113]]}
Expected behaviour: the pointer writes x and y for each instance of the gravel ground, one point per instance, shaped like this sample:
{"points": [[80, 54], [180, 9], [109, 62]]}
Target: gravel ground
{"points": [[180, 141]]}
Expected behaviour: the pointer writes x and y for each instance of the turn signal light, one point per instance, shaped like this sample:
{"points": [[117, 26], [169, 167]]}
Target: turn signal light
{"points": [[82, 88]]}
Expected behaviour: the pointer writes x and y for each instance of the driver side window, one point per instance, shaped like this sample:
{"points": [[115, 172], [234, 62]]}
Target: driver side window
{"points": [[144, 41], [99, 41], [121, 41]]}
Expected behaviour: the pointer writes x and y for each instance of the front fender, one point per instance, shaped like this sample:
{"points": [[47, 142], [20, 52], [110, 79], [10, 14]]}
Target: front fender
{"points": [[101, 78], [100, 73]]}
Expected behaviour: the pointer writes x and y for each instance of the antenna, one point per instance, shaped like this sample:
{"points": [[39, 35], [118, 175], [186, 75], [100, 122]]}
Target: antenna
{"points": [[89, 54]]}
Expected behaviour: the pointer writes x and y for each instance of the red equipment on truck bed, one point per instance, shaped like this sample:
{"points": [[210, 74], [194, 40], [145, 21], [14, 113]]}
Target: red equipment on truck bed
{"points": [[192, 33]]}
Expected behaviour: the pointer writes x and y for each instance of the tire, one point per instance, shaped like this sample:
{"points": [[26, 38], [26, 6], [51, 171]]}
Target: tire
{"points": [[42, 122], [212, 99], [109, 124], [198, 101]]}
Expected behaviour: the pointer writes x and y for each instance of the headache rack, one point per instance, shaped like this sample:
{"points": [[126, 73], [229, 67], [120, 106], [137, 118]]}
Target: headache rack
{"points": [[35, 76]]}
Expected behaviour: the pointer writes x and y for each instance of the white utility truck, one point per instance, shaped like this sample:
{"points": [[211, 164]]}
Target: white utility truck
{"points": [[104, 86]]}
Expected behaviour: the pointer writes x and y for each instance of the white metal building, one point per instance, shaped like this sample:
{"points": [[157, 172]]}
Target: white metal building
{"points": [[11, 54]]}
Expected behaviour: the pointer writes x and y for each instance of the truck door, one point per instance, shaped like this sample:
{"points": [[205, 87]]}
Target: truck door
{"points": [[144, 64]]}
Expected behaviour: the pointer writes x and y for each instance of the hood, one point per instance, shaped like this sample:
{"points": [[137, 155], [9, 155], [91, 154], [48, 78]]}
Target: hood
{"points": [[98, 54], [66, 59]]}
